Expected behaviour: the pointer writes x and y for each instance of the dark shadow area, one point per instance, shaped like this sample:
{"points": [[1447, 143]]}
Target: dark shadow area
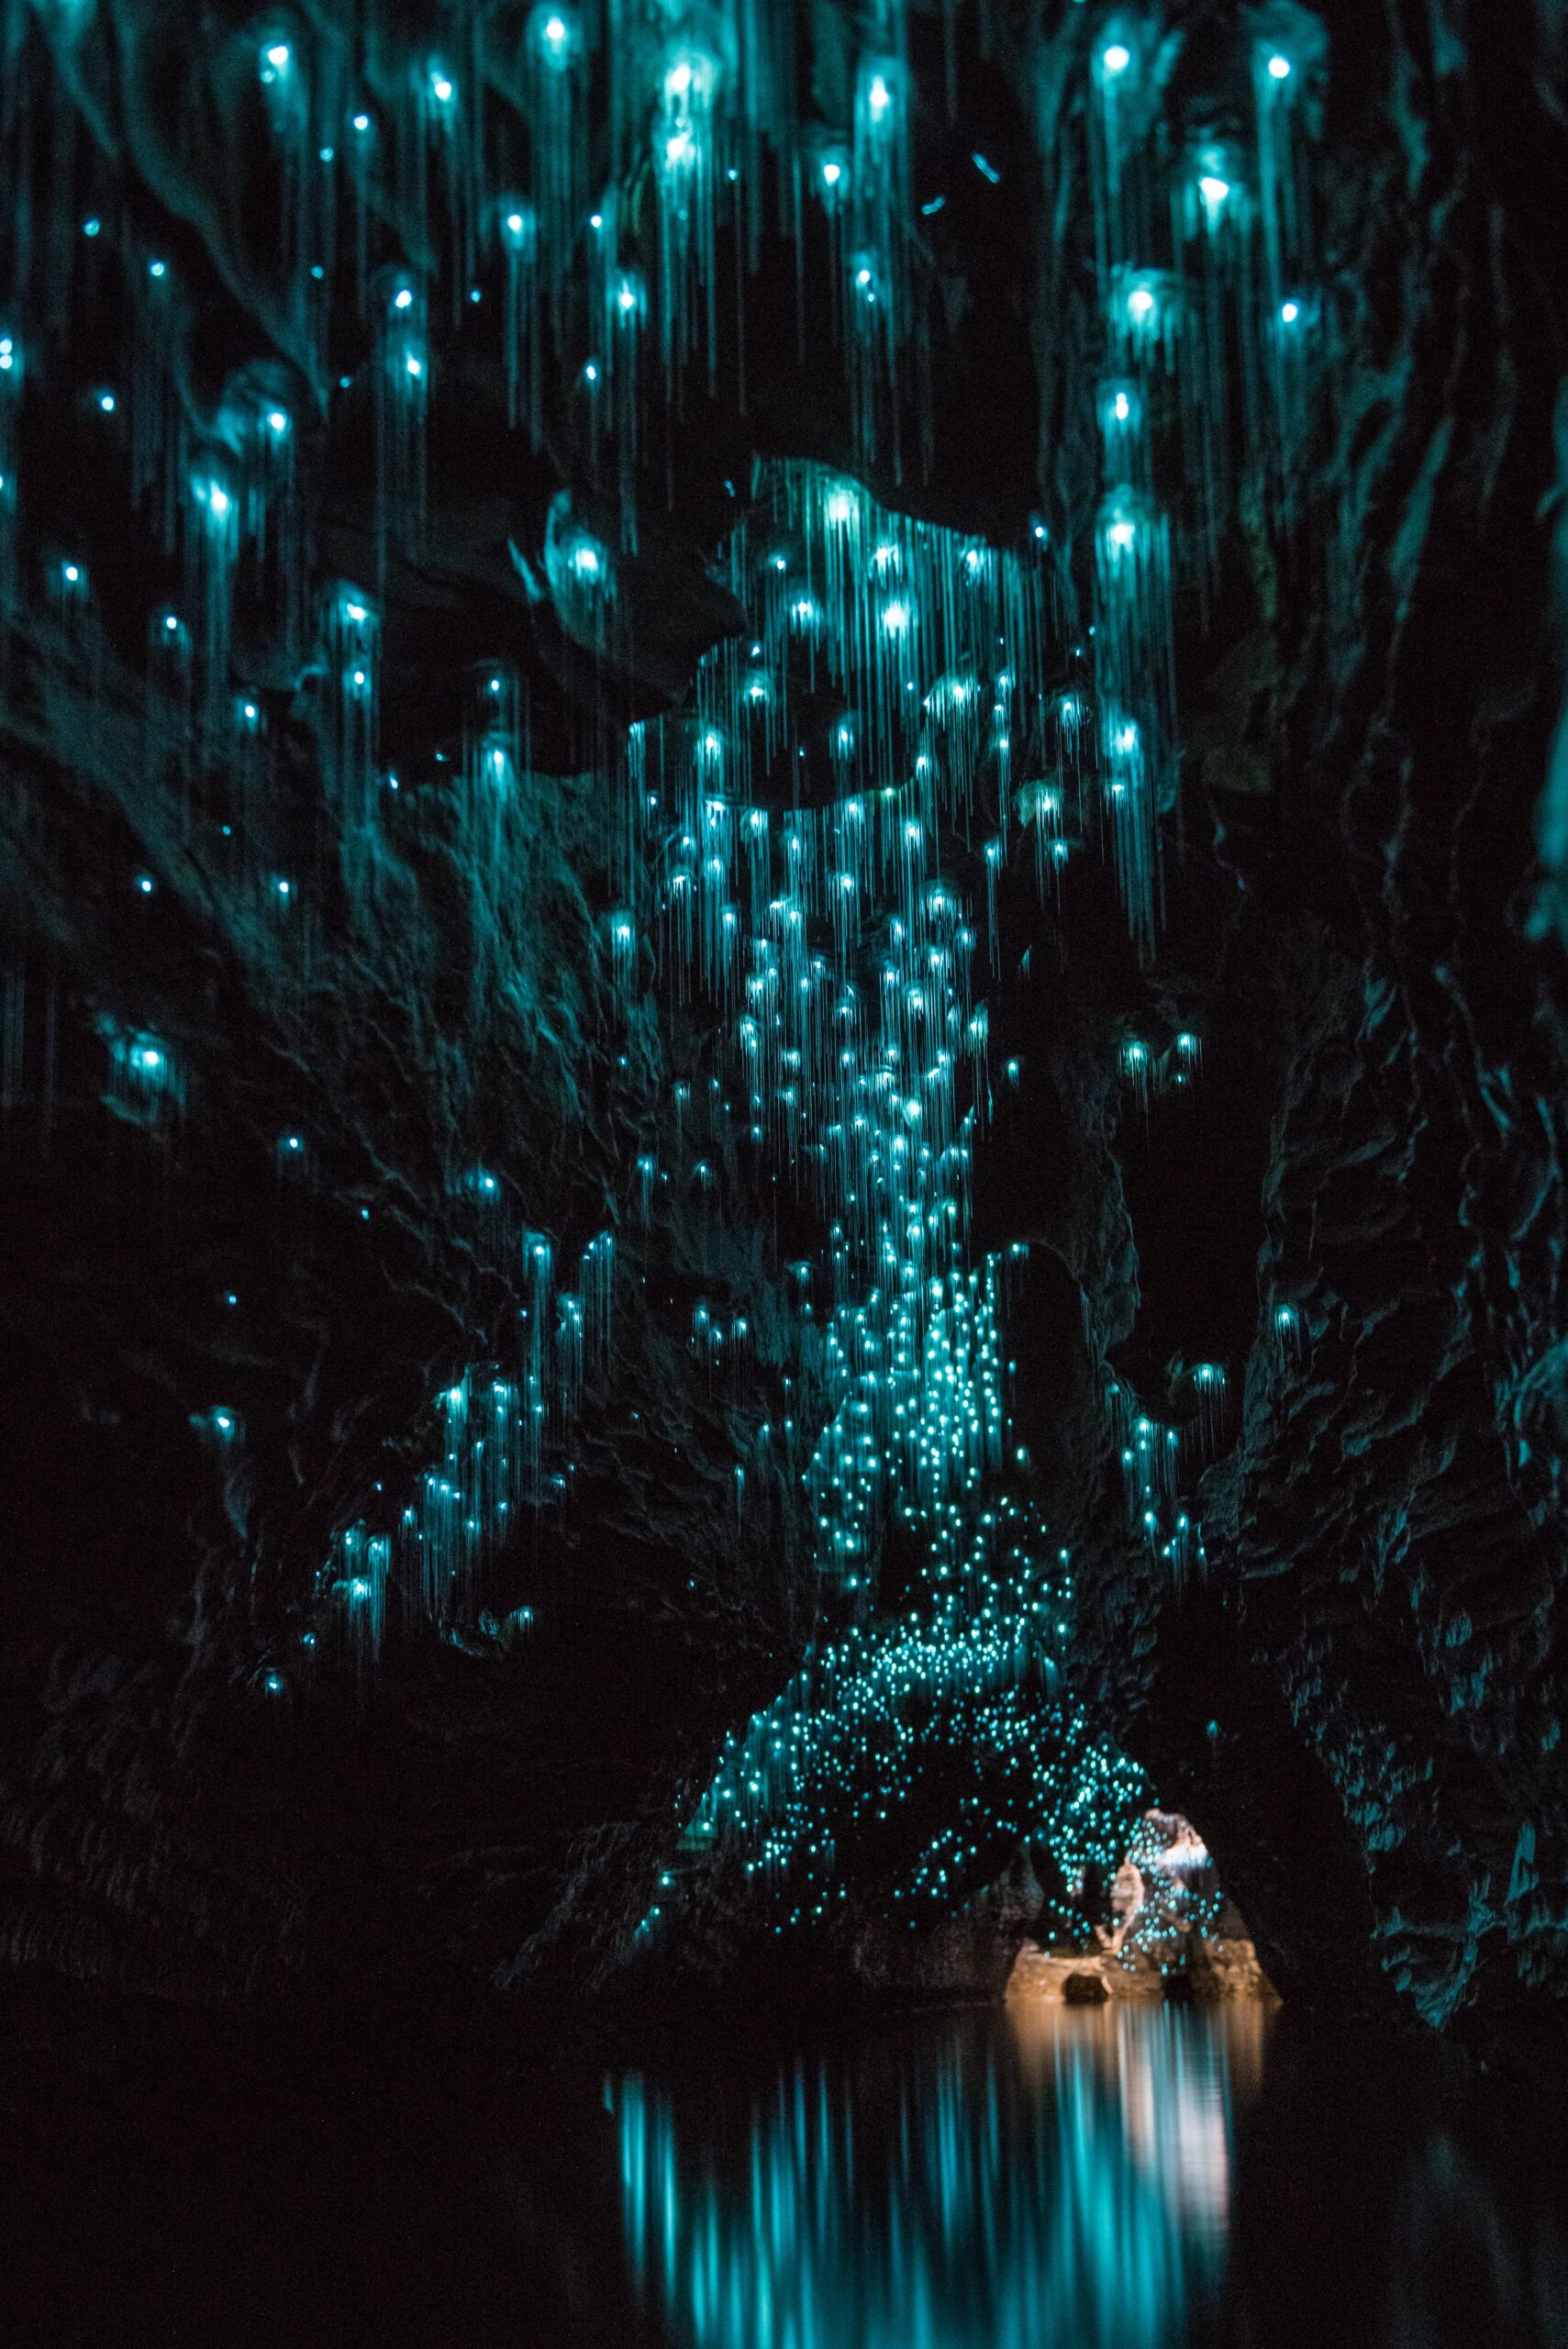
{"points": [[1126, 2179]]}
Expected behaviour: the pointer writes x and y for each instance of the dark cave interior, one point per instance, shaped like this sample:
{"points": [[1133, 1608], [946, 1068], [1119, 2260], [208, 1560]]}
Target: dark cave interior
{"points": [[783, 833]]}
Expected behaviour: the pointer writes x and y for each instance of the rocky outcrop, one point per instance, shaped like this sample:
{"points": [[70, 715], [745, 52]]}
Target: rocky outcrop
{"points": [[1205, 1969]]}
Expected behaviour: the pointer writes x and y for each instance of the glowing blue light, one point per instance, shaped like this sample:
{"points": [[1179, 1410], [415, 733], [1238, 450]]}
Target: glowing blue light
{"points": [[1279, 67], [146, 884], [1289, 313], [156, 268], [91, 227], [107, 402], [553, 36], [1116, 59], [402, 299]]}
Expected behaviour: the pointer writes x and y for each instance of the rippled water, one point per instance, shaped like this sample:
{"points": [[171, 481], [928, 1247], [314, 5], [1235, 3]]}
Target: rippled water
{"points": [[1130, 2178]]}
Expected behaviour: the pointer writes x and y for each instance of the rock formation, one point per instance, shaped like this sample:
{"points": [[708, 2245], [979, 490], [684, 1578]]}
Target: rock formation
{"points": [[490, 499]]}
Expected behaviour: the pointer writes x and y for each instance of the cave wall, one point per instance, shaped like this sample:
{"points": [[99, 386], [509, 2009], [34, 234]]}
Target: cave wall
{"points": [[1374, 1676], [1351, 1673]]}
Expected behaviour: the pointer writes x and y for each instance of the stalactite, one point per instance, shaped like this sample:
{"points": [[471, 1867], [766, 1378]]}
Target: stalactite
{"points": [[555, 51], [1136, 675], [1213, 234], [882, 343], [216, 533], [256, 429], [451, 121], [348, 730], [687, 164], [1288, 58], [401, 401], [12, 372], [298, 91]]}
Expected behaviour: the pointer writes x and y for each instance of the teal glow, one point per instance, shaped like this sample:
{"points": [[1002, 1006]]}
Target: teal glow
{"points": [[837, 943], [147, 1084], [497, 1432], [1059, 2181]]}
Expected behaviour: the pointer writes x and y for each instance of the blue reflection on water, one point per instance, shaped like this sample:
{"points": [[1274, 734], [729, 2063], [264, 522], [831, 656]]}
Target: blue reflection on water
{"points": [[1061, 2180]]}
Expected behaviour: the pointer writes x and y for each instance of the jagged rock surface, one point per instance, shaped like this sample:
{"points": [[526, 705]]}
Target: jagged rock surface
{"points": [[1359, 1701]]}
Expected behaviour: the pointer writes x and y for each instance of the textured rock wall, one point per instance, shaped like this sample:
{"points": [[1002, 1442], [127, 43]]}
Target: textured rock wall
{"points": [[1358, 1693], [1361, 1698]]}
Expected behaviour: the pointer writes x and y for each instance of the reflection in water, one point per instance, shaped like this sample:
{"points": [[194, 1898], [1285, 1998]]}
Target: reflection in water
{"points": [[1065, 2182], [1128, 2179]]}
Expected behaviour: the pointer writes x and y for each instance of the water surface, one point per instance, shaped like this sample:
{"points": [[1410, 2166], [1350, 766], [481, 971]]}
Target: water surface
{"points": [[1130, 2178], [1125, 2178], [1061, 2178]]}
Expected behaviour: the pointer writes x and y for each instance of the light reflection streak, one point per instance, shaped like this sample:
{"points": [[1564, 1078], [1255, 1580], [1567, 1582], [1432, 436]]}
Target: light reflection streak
{"points": [[1061, 2180]]}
